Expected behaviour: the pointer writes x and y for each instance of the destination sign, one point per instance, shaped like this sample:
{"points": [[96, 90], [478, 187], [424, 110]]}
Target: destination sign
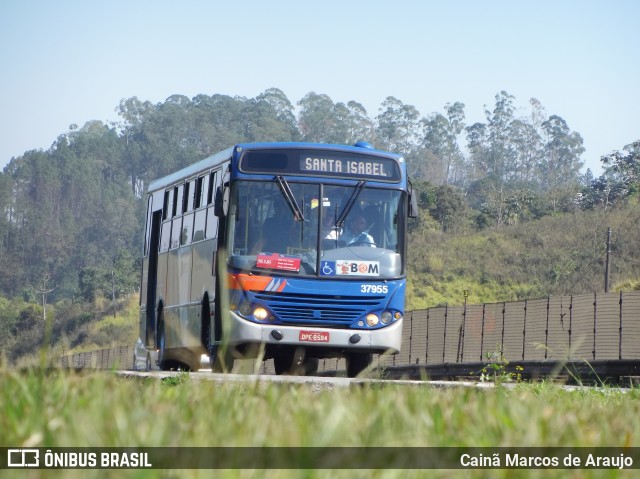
{"points": [[321, 163], [366, 167]]}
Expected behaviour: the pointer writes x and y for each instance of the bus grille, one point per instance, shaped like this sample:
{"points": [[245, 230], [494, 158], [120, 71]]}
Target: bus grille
{"points": [[318, 309]]}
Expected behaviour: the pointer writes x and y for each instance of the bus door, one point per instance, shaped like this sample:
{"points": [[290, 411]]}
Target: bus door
{"points": [[152, 279]]}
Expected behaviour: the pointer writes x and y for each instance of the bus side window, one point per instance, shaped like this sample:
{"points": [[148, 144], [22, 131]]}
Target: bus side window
{"points": [[147, 231], [197, 194], [187, 229], [178, 200], [187, 203], [176, 231], [173, 196], [165, 236], [205, 189], [199, 225], [200, 221], [212, 219], [167, 206], [212, 187]]}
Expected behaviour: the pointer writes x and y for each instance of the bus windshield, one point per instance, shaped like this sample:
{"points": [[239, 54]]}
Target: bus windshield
{"points": [[320, 230]]}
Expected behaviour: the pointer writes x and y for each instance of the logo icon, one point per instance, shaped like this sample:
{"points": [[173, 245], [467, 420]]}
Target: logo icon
{"points": [[328, 268], [23, 458]]}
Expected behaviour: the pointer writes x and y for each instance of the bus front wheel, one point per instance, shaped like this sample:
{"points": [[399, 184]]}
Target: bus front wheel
{"points": [[356, 363], [295, 362]]}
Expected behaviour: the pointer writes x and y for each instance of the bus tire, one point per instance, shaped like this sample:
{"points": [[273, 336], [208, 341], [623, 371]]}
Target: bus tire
{"points": [[282, 362], [311, 366], [161, 342], [205, 323], [356, 363], [294, 361]]}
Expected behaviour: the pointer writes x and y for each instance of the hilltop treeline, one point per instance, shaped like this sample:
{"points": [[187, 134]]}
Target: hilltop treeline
{"points": [[72, 216]]}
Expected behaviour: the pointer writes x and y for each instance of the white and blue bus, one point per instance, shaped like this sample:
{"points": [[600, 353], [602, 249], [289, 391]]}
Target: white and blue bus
{"points": [[290, 251]]}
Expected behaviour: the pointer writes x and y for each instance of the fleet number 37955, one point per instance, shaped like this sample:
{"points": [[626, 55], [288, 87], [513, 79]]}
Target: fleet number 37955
{"points": [[374, 288]]}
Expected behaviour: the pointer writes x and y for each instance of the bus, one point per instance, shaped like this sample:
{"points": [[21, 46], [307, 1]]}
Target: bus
{"points": [[285, 251]]}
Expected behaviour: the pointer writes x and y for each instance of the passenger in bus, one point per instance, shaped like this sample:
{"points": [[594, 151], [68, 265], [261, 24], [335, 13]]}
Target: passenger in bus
{"points": [[330, 233], [357, 234], [329, 229]]}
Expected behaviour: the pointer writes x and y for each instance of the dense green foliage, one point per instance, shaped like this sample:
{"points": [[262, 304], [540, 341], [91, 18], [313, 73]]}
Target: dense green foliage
{"points": [[64, 327], [551, 256], [505, 212]]}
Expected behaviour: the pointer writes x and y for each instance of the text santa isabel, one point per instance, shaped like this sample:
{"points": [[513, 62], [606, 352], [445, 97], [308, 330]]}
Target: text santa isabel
{"points": [[353, 167]]}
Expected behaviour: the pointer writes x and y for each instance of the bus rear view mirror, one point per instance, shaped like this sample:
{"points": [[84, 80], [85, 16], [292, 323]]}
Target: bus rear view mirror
{"points": [[413, 201], [413, 207], [221, 206]]}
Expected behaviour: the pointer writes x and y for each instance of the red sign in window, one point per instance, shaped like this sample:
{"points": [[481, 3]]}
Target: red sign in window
{"points": [[278, 261]]}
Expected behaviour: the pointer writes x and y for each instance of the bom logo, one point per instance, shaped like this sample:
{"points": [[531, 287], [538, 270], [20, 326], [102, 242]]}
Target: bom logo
{"points": [[345, 267], [359, 268]]}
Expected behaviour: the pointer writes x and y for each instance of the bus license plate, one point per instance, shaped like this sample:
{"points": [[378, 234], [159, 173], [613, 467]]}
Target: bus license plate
{"points": [[314, 336]]}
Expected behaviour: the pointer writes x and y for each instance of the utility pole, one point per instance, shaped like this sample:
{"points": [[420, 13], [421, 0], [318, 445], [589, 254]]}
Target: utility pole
{"points": [[606, 267], [44, 291], [113, 292]]}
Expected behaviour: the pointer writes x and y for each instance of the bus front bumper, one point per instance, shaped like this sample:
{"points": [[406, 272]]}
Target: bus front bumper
{"points": [[386, 339]]}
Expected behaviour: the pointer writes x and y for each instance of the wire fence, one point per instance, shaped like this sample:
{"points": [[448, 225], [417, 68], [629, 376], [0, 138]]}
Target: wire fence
{"points": [[602, 326]]}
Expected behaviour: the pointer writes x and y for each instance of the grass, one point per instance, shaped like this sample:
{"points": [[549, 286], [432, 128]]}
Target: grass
{"points": [[104, 410]]}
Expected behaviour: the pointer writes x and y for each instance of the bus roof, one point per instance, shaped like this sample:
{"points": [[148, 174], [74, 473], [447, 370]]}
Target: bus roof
{"points": [[357, 148], [221, 156], [191, 170]]}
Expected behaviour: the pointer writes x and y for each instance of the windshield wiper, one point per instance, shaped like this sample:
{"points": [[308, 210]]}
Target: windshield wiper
{"points": [[352, 200], [291, 199]]}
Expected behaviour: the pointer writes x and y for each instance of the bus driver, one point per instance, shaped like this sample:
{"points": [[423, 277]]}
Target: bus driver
{"points": [[357, 234]]}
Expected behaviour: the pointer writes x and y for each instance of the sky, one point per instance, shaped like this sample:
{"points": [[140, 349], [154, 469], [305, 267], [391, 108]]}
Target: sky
{"points": [[67, 62]]}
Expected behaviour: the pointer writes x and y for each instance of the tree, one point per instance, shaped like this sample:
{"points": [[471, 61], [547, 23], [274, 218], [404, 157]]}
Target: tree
{"points": [[478, 145], [359, 126], [283, 110], [398, 129], [498, 160], [317, 122], [425, 193], [449, 207], [441, 138], [627, 165], [602, 192], [136, 160], [323, 121], [563, 148], [561, 165], [525, 145]]}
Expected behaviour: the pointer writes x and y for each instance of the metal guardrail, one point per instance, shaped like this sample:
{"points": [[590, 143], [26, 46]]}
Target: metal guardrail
{"points": [[120, 357], [588, 327]]}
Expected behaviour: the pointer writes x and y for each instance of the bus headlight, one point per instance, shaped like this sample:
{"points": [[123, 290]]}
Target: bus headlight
{"points": [[260, 313], [245, 309], [372, 319], [386, 317]]}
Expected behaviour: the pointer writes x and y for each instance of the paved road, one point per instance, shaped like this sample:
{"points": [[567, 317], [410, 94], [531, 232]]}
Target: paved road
{"points": [[326, 383]]}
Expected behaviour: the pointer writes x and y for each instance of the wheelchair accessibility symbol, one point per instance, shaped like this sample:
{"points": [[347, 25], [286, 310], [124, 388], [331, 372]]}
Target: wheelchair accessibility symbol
{"points": [[328, 268]]}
